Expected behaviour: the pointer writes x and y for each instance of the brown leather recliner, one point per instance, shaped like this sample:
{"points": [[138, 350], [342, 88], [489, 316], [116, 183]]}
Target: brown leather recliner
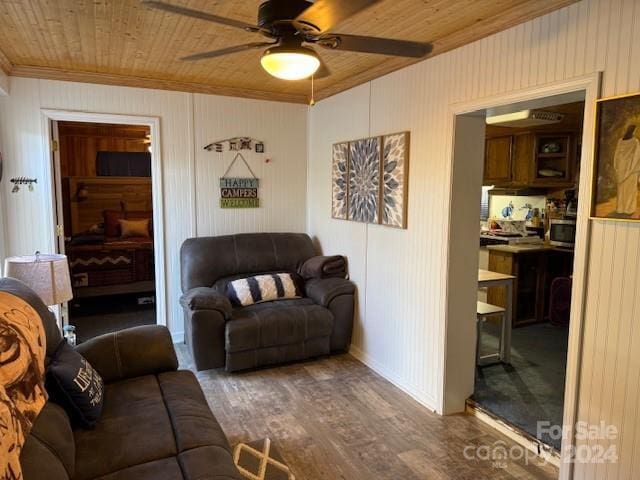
{"points": [[221, 335]]}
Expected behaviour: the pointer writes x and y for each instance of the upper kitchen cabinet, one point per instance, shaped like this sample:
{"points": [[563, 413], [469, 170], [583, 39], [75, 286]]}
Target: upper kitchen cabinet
{"points": [[507, 160], [529, 153], [554, 160], [497, 160], [530, 160]]}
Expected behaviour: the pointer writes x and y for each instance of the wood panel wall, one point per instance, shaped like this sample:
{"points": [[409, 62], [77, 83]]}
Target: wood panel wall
{"points": [[80, 142], [401, 275], [104, 193]]}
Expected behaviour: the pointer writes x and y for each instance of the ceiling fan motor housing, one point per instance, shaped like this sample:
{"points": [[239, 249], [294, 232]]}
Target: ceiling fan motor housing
{"points": [[276, 15]]}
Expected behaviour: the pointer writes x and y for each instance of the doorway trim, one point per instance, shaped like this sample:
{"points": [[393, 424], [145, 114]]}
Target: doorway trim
{"points": [[590, 84], [153, 123]]}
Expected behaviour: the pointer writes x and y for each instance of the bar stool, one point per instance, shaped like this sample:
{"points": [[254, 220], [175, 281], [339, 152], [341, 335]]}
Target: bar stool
{"points": [[483, 311]]}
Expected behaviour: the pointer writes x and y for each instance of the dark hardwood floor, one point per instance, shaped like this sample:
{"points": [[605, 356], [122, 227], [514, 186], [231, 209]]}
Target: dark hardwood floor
{"points": [[334, 418]]}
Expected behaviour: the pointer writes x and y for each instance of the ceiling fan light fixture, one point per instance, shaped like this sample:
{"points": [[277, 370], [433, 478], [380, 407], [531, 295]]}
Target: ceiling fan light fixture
{"points": [[289, 63]]}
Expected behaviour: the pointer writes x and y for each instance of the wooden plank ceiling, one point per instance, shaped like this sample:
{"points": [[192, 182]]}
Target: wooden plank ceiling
{"points": [[120, 42]]}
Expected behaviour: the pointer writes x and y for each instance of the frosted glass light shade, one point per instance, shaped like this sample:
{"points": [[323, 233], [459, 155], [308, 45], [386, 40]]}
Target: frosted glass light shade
{"points": [[289, 64], [47, 275]]}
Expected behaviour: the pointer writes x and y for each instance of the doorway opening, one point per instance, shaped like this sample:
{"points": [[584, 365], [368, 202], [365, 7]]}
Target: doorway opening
{"points": [[464, 276], [104, 196], [528, 211]]}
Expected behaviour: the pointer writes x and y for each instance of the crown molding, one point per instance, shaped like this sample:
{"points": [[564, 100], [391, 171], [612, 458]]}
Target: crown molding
{"points": [[145, 82]]}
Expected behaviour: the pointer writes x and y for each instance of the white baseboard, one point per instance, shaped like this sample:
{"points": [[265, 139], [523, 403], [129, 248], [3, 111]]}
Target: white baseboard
{"points": [[423, 398]]}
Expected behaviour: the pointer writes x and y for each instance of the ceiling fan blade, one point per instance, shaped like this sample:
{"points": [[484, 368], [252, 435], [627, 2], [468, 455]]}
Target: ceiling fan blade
{"points": [[382, 46], [188, 12], [324, 14], [227, 51]]}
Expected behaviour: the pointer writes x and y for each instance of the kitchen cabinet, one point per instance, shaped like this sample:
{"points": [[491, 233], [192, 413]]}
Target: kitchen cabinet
{"points": [[497, 160], [515, 161], [521, 160], [554, 160], [534, 269]]}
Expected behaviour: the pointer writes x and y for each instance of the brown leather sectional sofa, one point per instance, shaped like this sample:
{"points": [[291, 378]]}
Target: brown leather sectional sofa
{"points": [[155, 422], [221, 335]]}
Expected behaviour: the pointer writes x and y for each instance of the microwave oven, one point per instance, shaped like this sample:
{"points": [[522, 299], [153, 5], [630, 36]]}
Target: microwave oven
{"points": [[562, 232]]}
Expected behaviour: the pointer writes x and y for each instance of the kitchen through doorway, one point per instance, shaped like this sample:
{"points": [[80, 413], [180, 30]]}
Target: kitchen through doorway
{"points": [[528, 211]]}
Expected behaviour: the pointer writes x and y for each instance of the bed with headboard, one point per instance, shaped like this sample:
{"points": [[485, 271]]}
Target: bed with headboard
{"points": [[109, 234]]}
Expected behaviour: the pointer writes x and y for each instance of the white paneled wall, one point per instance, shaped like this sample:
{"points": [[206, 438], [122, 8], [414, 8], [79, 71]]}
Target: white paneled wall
{"points": [[282, 180], [401, 275], [187, 123]]}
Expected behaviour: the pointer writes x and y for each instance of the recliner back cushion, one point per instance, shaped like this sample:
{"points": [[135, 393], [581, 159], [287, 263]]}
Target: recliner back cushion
{"points": [[205, 260]]}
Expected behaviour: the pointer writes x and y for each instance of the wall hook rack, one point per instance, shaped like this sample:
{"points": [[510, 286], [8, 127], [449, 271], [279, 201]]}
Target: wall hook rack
{"points": [[17, 181]]}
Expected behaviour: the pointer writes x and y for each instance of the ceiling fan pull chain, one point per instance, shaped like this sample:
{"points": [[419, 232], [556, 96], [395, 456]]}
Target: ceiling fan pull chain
{"points": [[312, 102]]}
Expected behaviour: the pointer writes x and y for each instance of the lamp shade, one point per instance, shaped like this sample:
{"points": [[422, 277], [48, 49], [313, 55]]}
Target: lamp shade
{"points": [[47, 275]]}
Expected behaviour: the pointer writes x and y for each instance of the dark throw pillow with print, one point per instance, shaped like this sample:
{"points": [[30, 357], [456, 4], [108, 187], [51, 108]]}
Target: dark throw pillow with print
{"points": [[75, 385]]}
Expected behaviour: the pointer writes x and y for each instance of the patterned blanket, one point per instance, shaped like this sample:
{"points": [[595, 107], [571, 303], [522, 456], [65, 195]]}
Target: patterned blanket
{"points": [[22, 393]]}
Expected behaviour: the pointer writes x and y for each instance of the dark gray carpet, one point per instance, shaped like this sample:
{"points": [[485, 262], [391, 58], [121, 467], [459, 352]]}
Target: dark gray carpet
{"points": [[100, 315], [531, 389]]}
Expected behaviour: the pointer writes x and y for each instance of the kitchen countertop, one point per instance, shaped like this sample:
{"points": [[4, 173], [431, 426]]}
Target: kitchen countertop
{"points": [[526, 248]]}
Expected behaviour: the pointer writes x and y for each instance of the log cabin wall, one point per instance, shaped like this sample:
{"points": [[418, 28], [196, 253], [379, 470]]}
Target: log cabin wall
{"points": [[80, 142], [103, 193]]}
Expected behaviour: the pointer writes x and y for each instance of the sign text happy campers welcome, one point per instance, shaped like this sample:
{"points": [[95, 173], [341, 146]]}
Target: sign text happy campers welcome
{"points": [[239, 193]]}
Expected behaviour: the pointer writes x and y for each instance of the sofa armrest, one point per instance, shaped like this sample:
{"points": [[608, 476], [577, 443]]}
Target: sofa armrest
{"points": [[336, 294], [323, 291], [324, 267], [203, 298], [133, 352]]}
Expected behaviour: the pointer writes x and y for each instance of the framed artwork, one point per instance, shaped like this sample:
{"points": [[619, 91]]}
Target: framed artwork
{"points": [[340, 181], [364, 180], [616, 192], [395, 173]]}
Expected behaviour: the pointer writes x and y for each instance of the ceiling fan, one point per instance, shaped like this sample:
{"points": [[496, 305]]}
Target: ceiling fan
{"points": [[291, 25]]}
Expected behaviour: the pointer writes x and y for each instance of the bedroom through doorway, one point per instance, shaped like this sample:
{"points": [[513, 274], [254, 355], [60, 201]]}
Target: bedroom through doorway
{"points": [[104, 202]]}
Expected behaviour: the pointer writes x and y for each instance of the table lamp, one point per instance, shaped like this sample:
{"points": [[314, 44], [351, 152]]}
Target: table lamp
{"points": [[46, 274]]}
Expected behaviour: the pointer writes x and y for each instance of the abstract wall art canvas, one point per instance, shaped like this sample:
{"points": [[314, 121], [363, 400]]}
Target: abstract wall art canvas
{"points": [[364, 180], [393, 194], [617, 159], [340, 181]]}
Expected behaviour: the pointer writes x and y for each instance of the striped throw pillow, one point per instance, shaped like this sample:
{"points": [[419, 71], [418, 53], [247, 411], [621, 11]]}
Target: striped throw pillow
{"points": [[262, 288]]}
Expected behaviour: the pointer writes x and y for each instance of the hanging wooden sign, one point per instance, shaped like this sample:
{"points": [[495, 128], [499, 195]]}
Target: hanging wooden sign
{"points": [[239, 192]]}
